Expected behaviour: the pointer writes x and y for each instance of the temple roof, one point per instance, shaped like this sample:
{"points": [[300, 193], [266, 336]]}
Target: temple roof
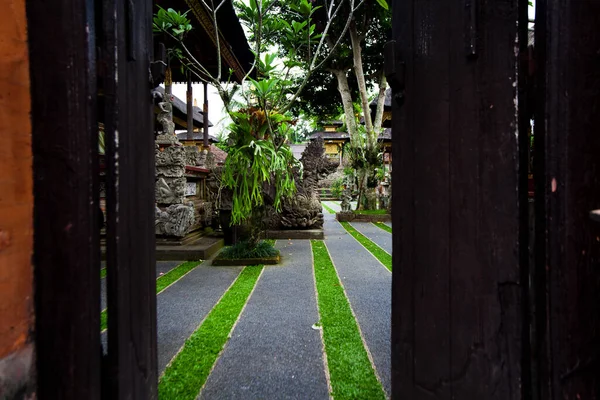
{"points": [[329, 135], [202, 42], [388, 101], [385, 135], [220, 155], [198, 136]]}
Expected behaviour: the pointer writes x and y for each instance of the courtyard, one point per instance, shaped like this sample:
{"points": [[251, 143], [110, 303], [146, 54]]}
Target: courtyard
{"points": [[317, 324]]}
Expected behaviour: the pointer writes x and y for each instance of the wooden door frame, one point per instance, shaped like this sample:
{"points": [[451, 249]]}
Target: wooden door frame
{"points": [[63, 46]]}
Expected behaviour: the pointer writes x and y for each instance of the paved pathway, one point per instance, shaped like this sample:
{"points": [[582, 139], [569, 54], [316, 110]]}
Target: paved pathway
{"points": [[274, 353], [368, 286], [162, 267], [377, 235], [182, 306]]}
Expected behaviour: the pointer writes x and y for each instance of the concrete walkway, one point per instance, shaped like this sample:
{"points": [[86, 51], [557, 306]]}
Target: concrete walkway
{"points": [[273, 352], [368, 286], [377, 235]]}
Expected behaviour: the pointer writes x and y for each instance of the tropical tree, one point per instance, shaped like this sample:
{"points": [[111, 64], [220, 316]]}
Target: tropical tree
{"points": [[354, 70], [258, 153]]}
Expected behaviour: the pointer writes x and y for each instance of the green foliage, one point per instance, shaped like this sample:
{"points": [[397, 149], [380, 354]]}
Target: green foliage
{"points": [[246, 249], [171, 21], [351, 373], [383, 256], [189, 370], [258, 156], [337, 187]]}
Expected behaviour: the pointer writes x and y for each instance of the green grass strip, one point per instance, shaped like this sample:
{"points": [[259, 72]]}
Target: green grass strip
{"points": [[328, 209], [371, 212], [103, 273], [383, 256], [170, 277], [351, 373], [186, 374], [383, 226], [163, 282]]}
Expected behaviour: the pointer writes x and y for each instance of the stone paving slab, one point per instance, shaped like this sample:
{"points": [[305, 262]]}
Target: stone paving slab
{"points": [[162, 267], [274, 353], [334, 205], [368, 286], [182, 306], [377, 235]]}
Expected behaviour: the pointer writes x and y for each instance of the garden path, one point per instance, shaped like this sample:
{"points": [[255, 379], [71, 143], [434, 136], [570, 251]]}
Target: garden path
{"points": [[274, 350]]}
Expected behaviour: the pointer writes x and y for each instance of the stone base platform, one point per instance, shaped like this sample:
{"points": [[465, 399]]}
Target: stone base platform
{"points": [[295, 234], [202, 249], [353, 217]]}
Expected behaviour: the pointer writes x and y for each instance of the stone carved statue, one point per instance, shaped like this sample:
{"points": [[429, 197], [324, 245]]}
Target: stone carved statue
{"points": [[195, 157], [175, 220], [304, 210], [170, 161], [170, 190], [165, 117], [346, 197]]}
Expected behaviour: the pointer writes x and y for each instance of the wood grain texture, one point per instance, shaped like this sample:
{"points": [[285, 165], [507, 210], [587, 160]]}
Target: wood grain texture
{"points": [[66, 244], [567, 43], [131, 296], [456, 307]]}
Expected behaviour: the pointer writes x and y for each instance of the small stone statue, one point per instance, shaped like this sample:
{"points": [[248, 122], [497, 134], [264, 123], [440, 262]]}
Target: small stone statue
{"points": [[165, 117], [346, 197]]}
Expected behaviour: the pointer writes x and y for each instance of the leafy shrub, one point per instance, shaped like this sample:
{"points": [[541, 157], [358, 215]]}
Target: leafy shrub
{"points": [[246, 249], [337, 188]]}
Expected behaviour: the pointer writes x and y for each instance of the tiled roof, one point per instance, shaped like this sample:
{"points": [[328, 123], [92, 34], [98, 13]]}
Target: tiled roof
{"points": [[329, 135], [197, 136]]}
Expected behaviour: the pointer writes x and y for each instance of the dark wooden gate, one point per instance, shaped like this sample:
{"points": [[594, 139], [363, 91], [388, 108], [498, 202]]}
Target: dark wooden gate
{"points": [[567, 135], [481, 310], [460, 277], [90, 63]]}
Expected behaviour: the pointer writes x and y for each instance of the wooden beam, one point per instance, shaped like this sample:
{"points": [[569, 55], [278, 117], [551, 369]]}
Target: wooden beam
{"points": [[205, 111], [190, 108]]}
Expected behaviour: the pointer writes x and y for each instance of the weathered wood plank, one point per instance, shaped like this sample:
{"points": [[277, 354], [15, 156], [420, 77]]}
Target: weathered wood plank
{"points": [[66, 233], [131, 285], [457, 293], [568, 241]]}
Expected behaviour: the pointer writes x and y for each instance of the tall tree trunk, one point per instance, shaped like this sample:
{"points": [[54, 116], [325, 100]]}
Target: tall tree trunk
{"points": [[380, 104], [362, 85], [346, 94]]}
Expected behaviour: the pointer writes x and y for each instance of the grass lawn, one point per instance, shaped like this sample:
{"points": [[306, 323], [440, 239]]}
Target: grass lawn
{"points": [[383, 226], [163, 282], [351, 373], [384, 257], [187, 373]]}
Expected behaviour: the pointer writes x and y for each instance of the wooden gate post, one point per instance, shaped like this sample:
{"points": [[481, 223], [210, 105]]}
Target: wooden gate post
{"points": [[457, 319], [66, 233], [130, 245], [568, 188]]}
